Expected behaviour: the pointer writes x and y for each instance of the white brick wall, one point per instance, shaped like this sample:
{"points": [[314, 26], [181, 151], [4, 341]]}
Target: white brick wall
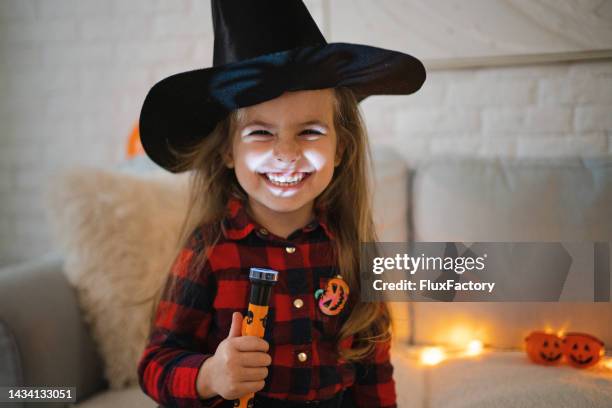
{"points": [[73, 74], [562, 109]]}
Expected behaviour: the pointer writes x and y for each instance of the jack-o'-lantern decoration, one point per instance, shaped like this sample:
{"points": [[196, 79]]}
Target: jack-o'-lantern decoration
{"points": [[582, 350], [256, 317], [333, 298], [544, 348], [134, 147]]}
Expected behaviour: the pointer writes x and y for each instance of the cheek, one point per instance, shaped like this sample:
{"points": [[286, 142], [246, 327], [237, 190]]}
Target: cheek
{"points": [[248, 159], [323, 164], [251, 160], [320, 156]]}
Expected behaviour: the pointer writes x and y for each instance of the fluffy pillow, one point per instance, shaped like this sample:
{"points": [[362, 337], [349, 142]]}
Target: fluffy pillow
{"points": [[118, 232]]}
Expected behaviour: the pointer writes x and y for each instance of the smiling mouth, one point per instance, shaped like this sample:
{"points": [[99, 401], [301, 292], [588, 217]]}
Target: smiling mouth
{"points": [[285, 179], [550, 358], [578, 361]]}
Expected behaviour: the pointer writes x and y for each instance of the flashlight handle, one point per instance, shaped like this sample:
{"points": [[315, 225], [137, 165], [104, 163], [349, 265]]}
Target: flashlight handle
{"points": [[253, 324]]}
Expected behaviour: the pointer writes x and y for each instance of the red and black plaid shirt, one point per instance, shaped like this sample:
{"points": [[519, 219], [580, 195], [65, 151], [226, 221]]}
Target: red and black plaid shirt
{"points": [[188, 328]]}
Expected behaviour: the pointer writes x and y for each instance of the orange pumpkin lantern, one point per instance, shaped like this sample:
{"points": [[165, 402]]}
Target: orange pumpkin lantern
{"points": [[582, 350], [134, 146], [544, 348], [334, 297]]}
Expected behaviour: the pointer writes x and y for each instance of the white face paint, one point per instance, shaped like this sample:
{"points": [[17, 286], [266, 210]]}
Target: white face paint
{"points": [[284, 150]]}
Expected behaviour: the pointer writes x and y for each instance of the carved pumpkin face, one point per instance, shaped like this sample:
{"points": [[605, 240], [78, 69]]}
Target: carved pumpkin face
{"points": [[335, 296], [544, 348], [254, 322], [582, 350]]}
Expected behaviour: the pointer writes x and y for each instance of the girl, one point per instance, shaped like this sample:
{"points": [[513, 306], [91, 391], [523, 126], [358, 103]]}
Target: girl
{"points": [[280, 181]]}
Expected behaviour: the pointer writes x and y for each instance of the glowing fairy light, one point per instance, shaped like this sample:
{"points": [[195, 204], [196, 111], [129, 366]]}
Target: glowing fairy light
{"points": [[432, 355], [459, 336], [474, 348], [548, 329]]}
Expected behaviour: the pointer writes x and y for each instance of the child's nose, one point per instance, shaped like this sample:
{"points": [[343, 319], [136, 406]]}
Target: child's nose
{"points": [[287, 151]]}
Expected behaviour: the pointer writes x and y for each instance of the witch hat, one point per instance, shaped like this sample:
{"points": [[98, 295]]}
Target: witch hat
{"points": [[262, 49]]}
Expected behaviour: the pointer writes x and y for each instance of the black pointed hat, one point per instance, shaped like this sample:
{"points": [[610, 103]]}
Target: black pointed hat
{"points": [[262, 49]]}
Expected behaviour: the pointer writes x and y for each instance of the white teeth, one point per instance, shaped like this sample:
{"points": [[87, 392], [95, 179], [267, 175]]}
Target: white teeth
{"points": [[282, 180]]}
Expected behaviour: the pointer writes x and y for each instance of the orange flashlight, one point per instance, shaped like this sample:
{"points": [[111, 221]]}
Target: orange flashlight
{"points": [[254, 323]]}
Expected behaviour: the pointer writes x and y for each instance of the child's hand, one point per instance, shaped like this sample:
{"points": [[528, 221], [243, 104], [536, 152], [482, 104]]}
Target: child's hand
{"points": [[238, 367]]}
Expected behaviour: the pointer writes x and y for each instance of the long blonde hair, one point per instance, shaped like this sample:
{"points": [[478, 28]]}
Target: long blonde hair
{"points": [[347, 202]]}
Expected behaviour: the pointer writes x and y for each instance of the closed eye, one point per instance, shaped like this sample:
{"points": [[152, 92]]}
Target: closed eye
{"points": [[260, 132], [260, 135], [311, 134], [312, 131]]}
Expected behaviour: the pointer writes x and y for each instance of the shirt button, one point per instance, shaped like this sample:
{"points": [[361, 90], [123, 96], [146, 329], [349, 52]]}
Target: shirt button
{"points": [[290, 250], [298, 303], [302, 357], [263, 231]]}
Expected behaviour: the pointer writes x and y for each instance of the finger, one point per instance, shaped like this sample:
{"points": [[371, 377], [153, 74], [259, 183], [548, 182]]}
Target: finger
{"points": [[236, 327], [250, 343], [248, 374], [255, 359], [248, 387]]}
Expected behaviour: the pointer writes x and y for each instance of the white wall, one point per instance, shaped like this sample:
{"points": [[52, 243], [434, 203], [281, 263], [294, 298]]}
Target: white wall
{"points": [[441, 29], [74, 73], [547, 110]]}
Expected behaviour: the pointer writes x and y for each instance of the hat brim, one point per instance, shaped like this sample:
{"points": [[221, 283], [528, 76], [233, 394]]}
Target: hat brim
{"points": [[183, 108]]}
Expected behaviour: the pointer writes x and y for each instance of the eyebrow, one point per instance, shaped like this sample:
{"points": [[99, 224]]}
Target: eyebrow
{"points": [[265, 124]]}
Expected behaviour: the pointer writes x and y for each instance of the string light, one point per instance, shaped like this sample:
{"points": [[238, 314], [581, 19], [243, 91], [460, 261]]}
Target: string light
{"points": [[561, 332], [474, 348], [432, 355]]}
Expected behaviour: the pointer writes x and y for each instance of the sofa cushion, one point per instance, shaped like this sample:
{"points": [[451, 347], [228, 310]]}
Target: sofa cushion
{"points": [[498, 379], [509, 379], [563, 199], [118, 232], [472, 200], [10, 367], [40, 311]]}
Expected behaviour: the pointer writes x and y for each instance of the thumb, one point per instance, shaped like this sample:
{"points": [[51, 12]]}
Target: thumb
{"points": [[236, 327]]}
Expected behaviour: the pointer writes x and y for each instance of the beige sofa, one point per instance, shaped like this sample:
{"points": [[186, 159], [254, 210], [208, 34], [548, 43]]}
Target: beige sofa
{"points": [[58, 327]]}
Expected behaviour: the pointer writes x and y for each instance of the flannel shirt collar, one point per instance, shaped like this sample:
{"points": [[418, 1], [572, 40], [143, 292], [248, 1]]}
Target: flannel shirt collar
{"points": [[237, 223]]}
